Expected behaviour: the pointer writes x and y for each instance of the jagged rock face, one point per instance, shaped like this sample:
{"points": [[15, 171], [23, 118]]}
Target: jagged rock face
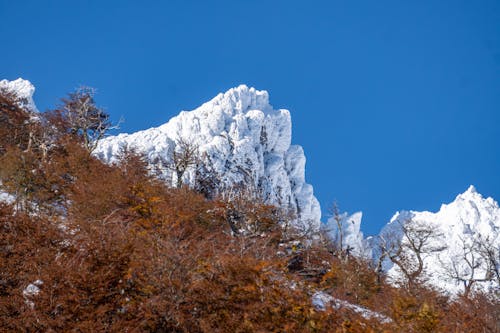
{"points": [[23, 90], [241, 141], [462, 231]]}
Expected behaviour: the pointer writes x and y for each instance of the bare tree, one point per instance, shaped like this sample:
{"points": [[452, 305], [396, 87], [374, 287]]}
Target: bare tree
{"points": [[346, 240], [476, 261], [408, 250], [339, 236], [207, 180], [490, 251], [85, 118], [183, 155]]}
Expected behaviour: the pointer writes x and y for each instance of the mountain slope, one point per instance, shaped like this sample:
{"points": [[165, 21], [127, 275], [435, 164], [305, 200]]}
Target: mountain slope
{"points": [[241, 141]]}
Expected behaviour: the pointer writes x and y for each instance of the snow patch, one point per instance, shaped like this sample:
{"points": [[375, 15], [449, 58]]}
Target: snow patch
{"points": [[32, 289], [6, 197], [322, 300]]}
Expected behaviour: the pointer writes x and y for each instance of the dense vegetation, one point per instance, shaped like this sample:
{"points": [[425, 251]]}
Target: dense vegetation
{"points": [[90, 247]]}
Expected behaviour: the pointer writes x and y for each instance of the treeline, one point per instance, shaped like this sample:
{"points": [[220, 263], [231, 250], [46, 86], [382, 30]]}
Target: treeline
{"points": [[91, 247]]}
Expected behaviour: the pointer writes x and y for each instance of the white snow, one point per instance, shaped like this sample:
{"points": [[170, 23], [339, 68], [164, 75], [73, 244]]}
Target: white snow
{"points": [[23, 90], [322, 300], [32, 289], [242, 140], [460, 227], [6, 197]]}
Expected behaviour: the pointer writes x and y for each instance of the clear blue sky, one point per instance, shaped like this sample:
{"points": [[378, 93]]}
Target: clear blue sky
{"points": [[396, 103]]}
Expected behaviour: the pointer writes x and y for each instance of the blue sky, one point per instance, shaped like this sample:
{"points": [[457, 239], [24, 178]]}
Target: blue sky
{"points": [[396, 103]]}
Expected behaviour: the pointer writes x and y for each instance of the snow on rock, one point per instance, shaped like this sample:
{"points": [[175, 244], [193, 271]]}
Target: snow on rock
{"points": [[322, 300], [6, 197], [32, 289], [23, 90], [349, 234], [462, 231], [242, 141]]}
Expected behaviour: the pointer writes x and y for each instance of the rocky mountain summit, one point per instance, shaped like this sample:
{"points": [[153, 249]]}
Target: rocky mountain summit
{"points": [[240, 141]]}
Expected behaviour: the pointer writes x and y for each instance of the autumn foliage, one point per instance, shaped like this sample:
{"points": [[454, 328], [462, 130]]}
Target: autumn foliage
{"points": [[90, 247]]}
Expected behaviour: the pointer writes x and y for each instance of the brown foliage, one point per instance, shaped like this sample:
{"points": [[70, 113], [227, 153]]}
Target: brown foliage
{"points": [[478, 313], [353, 280], [13, 120], [26, 244], [116, 250]]}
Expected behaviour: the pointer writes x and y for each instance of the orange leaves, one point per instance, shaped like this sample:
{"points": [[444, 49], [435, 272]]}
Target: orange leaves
{"points": [[117, 250], [145, 205], [14, 129]]}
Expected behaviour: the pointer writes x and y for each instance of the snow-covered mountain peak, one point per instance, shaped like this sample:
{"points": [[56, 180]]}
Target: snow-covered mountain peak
{"points": [[471, 189], [23, 90], [471, 209], [241, 141], [468, 207], [471, 194], [240, 100], [462, 229]]}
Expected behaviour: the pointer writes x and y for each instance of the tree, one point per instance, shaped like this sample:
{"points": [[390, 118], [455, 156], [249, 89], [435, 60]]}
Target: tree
{"points": [[13, 120], [337, 217], [207, 180], [183, 156], [336, 230], [475, 261], [408, 250], [84, 118], [491, 253]]}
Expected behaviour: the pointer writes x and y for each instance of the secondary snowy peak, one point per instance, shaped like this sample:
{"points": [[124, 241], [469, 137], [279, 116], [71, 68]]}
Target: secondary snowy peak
{"points": [[469, 214], [23, 90], [241, 140], [241, 99], [464, 234]]}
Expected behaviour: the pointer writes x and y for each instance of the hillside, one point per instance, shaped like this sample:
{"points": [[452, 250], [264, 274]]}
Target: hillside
{"points": [[121, 246]]}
